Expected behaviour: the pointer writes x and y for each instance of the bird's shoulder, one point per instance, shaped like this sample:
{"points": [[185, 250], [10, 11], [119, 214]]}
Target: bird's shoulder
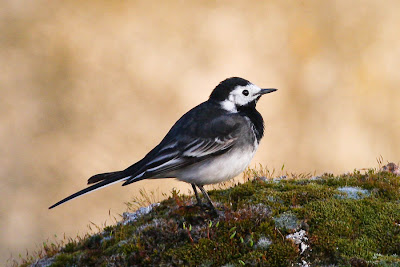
{"points": [[208, 120]]}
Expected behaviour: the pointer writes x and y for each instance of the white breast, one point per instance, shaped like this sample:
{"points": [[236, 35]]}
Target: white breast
{"points": [[218, 169]]}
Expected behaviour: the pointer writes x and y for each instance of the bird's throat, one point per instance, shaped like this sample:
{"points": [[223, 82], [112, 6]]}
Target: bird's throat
{"points": [[255, 118]]}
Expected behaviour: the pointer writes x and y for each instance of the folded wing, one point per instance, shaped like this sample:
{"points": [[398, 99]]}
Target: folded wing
{"points": [[181, 155]]}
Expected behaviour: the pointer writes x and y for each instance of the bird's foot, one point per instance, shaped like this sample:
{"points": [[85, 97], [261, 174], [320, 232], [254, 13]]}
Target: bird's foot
{"points": [[205, 208], [202, 205], [210, 208], [217, 213]]}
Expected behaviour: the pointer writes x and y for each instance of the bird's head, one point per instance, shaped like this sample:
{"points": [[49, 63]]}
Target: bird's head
{"points": [[234, 93]]}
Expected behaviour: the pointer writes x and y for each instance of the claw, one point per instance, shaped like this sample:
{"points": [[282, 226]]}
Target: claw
{"points": [[202, 205]]}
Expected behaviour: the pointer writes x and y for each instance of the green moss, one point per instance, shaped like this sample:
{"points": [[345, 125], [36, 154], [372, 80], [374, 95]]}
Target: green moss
{"points": [[257, 217], [282, 253], [65, 259], [196, 254], [344, 228], [70, 247]]}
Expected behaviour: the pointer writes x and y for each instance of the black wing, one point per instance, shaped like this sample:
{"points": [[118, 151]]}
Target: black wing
{"points": [[195, 137]]}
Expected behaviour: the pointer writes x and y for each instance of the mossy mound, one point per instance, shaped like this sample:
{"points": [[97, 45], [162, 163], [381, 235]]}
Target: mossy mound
{"points": [[290, 222]]}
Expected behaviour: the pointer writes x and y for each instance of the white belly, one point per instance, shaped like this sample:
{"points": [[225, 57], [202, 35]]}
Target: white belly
{"points": [[218, 169]]}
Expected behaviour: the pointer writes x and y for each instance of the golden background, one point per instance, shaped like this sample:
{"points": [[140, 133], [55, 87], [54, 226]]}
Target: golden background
{"points": [[92, 86]]}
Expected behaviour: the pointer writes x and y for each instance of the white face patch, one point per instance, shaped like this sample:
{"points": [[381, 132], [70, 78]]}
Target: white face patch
{"points": [[229, 106], [241, 96]]}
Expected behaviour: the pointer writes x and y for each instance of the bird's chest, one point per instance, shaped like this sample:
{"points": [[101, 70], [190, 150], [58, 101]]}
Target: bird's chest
{"points": [[220, 169], [256, 122]]}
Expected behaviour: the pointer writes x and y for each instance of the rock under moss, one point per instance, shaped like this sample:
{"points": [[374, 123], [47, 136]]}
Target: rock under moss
{"points": [[262, 223]]}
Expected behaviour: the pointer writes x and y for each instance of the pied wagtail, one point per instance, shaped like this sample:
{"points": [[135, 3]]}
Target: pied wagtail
{"points": [[212, 143]]}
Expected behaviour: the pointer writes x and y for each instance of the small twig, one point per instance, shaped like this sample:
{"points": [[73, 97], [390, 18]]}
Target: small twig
{"points": [[283, 238], [188, 229]]}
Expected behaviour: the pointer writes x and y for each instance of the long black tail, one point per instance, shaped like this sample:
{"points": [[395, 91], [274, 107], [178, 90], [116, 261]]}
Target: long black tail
{"points": [[105, 179], [105, 176]]}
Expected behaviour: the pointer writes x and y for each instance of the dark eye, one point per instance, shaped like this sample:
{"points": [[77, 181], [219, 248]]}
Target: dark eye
{"points": [[245, 92]]}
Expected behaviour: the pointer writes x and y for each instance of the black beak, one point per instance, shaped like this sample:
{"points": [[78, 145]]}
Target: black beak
{"points": [[267, 91]]}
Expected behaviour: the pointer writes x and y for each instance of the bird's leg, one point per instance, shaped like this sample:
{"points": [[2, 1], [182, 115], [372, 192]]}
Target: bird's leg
{"points": [[197, 195], [208, 199]]}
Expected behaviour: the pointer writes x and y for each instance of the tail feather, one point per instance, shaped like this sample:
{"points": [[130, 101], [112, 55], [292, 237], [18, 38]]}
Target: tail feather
{"points": [[104, 179], [103, 176]]}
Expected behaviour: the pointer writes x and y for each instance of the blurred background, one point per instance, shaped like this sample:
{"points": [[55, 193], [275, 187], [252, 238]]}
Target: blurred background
{"points": [[92, 86]]}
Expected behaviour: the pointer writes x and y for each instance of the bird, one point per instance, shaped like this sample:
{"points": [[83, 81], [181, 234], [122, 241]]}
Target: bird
{"points": [[211, 143]]}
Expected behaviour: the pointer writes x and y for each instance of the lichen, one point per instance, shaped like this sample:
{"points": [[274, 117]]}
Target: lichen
{"points": [[352, 192]]}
